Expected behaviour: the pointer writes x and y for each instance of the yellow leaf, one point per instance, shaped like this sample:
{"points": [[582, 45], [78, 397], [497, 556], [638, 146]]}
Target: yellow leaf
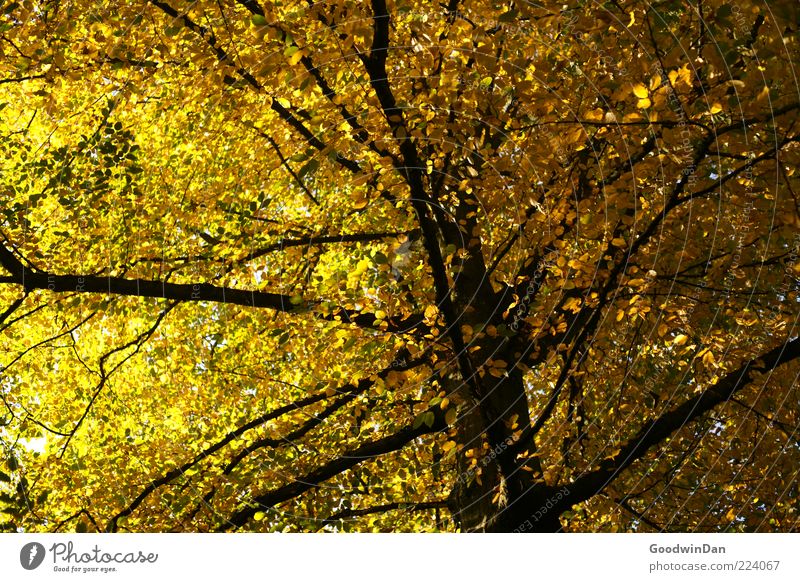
{"points": [[295, 58], [685, 74], [644, 103], [715, 108], [595, 115], [680, 339], [640, 91], [673, 77]]}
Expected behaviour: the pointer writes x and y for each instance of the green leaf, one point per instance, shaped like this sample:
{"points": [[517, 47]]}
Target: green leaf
{"points": [[509, 16], [309, 168], [418, 420], [258, 20]]}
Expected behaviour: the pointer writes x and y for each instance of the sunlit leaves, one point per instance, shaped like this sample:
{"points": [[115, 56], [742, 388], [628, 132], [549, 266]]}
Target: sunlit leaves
{"points": [[605, 201]]}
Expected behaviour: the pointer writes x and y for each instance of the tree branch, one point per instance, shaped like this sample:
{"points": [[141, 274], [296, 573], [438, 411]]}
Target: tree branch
{"points": [[367, 451], [223, 57], [184, 292], [656, 431], [351, 391]]}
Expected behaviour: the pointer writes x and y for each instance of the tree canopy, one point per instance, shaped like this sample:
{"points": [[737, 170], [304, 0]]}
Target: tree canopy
{"points": [[399, 265]]}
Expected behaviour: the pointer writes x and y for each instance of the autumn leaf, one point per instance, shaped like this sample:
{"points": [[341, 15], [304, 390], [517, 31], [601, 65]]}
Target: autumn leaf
{"points": [[369, 266]]}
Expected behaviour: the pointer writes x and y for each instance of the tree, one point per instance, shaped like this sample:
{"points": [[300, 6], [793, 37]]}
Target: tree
{"points": [[399, 266]]}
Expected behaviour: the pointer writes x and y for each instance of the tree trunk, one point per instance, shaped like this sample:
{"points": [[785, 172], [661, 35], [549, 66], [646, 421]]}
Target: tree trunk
{"points": [[507, 494]]}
